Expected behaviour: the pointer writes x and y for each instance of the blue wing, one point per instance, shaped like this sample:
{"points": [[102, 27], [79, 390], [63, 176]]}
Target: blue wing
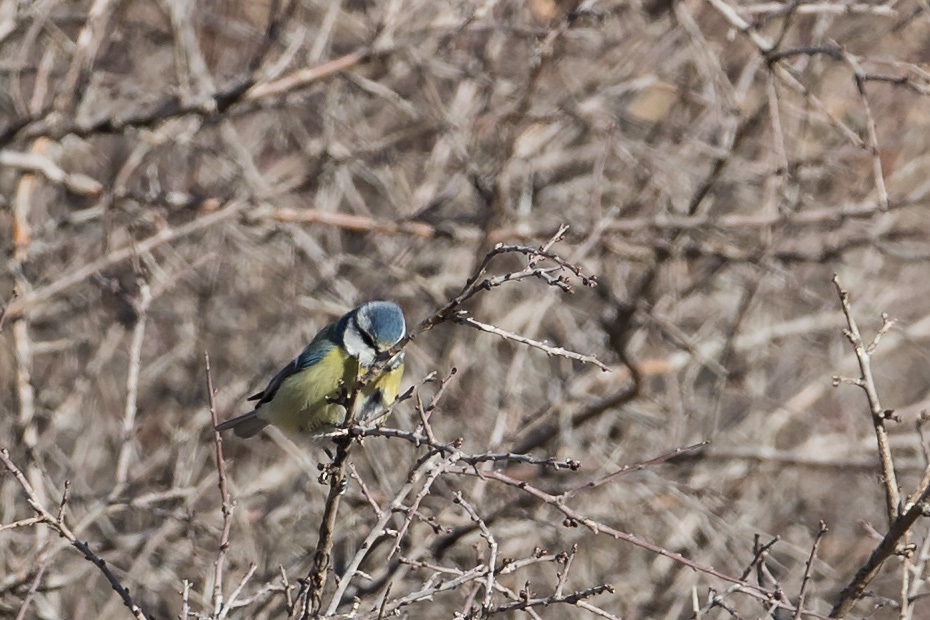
{"points": [[321, 344]]}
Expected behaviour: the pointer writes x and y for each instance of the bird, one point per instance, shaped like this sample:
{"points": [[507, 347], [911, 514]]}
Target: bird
{"points": [[307, 396]]}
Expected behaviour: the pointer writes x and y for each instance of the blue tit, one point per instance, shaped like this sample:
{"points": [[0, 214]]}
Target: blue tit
{"points": [[303, 396]]}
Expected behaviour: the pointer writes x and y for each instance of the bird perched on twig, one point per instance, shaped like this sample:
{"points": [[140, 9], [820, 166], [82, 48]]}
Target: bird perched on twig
{"points": [[308, 395]]}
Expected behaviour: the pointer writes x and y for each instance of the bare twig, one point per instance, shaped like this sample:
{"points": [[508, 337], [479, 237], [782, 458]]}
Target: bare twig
{"points": [[492, 547], [574, 518], [571, 599], [474, 284], [461, 577], [885, 549], [234, 595], [65, 531], [628, 469], [566, 560], [432, 475], [30, 594], [462, 317], [21, 523], [879, 414], [353, 473], [822, 530], [925, 447], [453, 446], [226, 506]]}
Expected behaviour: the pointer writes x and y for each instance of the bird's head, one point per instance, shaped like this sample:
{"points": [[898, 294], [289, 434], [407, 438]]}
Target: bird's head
{"points": [[372, 329]]}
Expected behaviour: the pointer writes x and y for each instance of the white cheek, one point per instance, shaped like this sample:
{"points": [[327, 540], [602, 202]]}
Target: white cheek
{"points": [[357, 348]]}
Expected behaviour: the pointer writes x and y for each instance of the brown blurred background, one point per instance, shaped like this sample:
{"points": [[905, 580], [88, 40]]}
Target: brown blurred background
{"points": [[188, 151]]}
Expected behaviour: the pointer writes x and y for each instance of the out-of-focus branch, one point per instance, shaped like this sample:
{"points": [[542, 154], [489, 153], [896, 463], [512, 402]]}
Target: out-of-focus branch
{"points": [[767, 49], [78, 274], [88, 44], [871, 132], [820, 8], [27, 600], [58, 524], [356, 223], [634, 467], [132, 387], [35, 162]]}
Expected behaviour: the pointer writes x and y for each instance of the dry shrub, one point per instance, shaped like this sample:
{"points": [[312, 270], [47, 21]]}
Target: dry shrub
{"points": [[180, 177]]}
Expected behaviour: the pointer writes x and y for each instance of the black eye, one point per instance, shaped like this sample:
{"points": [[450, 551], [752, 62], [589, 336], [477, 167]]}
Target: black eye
{"points": [[368, 339]]}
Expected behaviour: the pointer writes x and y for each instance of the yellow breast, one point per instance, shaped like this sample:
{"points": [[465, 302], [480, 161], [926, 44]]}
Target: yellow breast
{"points": [[303, 403]]}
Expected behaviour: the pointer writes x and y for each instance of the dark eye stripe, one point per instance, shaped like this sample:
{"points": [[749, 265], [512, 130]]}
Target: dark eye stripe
{"points": [[368, 339]]}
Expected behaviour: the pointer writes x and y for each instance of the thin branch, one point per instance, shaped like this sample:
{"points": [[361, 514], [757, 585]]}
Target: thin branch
{"points": [[65, 531], [21, 523], [432, 475], [574, 519], [872, 133], [132, 387], [463, 318], [462, 577], [570, 599], [226, 506], [867, 382], [492, 547], [234, 595], [30, 594], [885, 549], [36, 162], [453, 446], [356, 223], [808, 568], [628, 469], [474, 284]]}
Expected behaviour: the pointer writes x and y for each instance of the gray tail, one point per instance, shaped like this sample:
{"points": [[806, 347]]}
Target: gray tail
{"points": [[245, 425]]}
